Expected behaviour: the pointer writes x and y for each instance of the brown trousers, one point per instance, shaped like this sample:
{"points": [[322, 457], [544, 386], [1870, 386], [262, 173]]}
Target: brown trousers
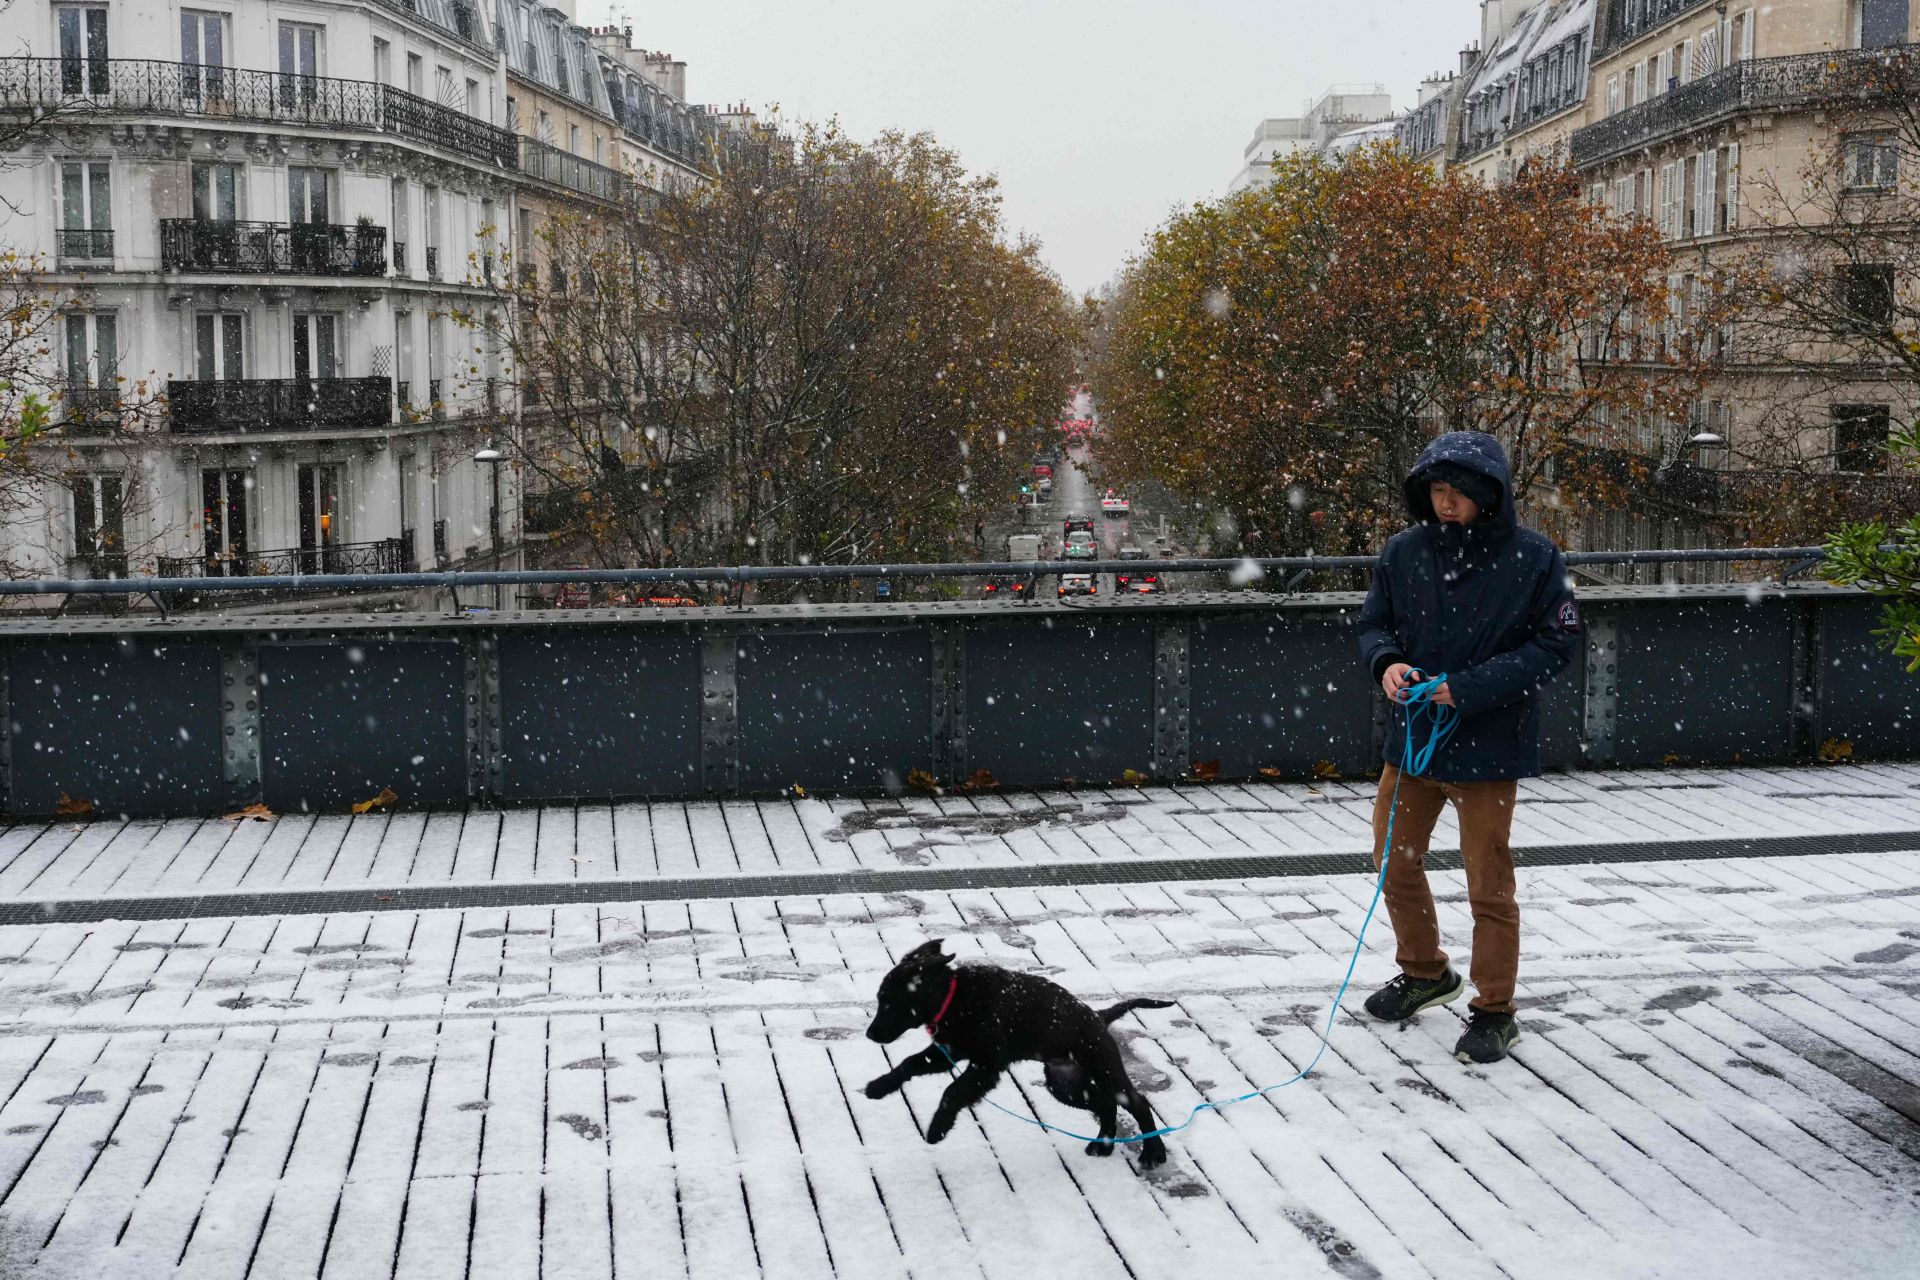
{"points": [[1486, 822]]}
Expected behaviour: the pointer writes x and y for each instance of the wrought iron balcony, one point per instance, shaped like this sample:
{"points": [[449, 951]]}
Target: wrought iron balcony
{"points": [[433, 262], [550, 164], [246, 405], [80, 244], [388, 555], [440, 555], [133, 86], [91, 406], [400, 257], [265, 248], [1861, 77]]}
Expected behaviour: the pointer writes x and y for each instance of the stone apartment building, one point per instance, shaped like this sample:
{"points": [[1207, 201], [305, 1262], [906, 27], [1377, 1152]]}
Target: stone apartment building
{"points": [[271, 218]]}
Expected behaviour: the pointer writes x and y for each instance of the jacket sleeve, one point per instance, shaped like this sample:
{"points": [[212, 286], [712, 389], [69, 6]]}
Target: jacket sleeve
{"points": [[1553, 635], [1379, 646]]}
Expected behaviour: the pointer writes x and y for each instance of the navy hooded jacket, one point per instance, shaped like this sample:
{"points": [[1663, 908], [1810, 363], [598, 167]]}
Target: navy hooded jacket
{"points": [[1487, 604]]}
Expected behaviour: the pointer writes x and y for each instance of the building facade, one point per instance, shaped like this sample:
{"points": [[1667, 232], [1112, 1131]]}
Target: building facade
{"points": [[275, 240], [1340, 110]]}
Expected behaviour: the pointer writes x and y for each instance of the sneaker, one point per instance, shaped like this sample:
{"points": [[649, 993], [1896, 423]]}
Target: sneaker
{"points": [[1404, 996], [1488, 1037]]}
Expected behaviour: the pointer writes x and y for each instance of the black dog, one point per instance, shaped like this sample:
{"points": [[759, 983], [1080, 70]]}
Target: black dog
{"points": [[993, 1018]]}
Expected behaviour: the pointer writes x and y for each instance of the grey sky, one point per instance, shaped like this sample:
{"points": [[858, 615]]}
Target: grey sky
{"points": [[1099, 116]]}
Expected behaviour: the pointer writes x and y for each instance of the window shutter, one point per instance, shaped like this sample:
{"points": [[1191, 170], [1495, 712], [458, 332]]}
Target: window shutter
{"points": [[1665, 65], [1646, 193], [1685, 69], [1705, 193], [1733, 185], [1746, 33]]}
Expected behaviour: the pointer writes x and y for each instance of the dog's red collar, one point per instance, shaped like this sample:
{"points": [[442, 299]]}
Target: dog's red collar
{"points": [[953, 985]]}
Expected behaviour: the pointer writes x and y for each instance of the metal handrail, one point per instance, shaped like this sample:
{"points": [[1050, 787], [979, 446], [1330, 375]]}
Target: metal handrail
{"points": [[259, 248], [838, 573]]}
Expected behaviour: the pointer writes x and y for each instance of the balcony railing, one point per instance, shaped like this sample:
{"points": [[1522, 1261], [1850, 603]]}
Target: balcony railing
{"points": [[440, 556], [433, 262], [400, 257], [388, 555], [1859, 76], [80, 244], [247, 405], [140, 87], [550, 164], [90, 406], [262, 248]]}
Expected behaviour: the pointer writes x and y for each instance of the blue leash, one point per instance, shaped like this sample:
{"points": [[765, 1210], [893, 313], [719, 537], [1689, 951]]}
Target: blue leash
{"points": [[1441, 721]]}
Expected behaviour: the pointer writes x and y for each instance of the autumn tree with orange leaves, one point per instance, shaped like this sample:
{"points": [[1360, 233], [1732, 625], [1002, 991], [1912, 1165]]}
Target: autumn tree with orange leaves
{"points": [[1283, 355]]}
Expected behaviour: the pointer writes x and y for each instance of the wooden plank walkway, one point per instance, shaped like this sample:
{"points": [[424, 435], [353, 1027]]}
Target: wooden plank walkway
{"points": [[1720, 1074], [114, 858]]}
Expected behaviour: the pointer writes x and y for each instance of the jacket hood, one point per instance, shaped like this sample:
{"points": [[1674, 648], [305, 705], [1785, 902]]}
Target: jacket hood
{"points": [[1477, 452]]}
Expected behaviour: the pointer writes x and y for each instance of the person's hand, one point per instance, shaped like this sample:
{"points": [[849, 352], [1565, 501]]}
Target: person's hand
{"points": [[1396, 678], [1442, 696]]}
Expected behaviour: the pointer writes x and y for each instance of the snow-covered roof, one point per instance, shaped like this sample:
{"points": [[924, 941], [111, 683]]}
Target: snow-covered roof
{"points": [[1353, 139], [1510, 52], [1575, 16]]}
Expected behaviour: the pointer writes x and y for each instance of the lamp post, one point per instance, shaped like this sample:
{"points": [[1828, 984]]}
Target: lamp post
{"points": [[492, 458]]}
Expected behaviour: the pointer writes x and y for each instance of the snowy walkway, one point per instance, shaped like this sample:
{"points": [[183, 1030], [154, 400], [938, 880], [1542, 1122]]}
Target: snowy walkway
{"points": [[1604, 813], [1720, 1074]]}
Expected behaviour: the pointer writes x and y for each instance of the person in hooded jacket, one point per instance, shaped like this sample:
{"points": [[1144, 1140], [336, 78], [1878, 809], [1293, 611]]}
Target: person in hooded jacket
{"points": [[1470, 594]]}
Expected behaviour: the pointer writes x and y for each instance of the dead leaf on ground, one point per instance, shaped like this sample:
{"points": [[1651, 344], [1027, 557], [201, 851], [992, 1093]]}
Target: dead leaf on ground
{"points": [[1133, 777], [1326, 771], [1833, 751], [921, 780], [68, 807], [799, 791], [381, 801], [257, 812], [982, 780], [1268, 771], [1669, 759], [1206, 770]]}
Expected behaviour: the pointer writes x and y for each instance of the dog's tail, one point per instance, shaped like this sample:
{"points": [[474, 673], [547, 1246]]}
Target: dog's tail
{"points": [[1126, 1007]]}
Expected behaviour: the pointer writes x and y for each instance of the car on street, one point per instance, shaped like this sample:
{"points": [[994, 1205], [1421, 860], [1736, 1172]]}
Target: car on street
{"points": [[1005, 586], [1139, 584], [1078, 584], [1080, 545], [1074, 523], [1116, 504]]}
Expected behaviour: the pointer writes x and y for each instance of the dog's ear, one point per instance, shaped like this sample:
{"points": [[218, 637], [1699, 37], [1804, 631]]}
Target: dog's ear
{"points": [[928, 955]]}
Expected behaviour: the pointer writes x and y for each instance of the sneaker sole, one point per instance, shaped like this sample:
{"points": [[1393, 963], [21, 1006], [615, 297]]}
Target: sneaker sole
{"points": [[1467, 1059], [1459, 989]]}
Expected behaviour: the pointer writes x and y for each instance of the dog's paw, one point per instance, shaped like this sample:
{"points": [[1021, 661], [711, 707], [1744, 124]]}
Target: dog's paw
{"points": [[939, 1127], [1153, 1153], [880, 1087], [1099, 1148]]}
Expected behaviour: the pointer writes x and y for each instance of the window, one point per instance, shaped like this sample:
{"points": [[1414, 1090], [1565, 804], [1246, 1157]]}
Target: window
{"points": [[1663, 72], [1882, 23], [443, 88], [1866, 296], [546, 128], [513, 113], [1636, 84], [219, 347], [432, 216], [382, 61], [301, 47], [321, 517], [1872, 160], [1669, 212], [315, 347], [83, 49], [216, 192], [309, 195], [1741, 42], [99, 523], [403, 357], [573, 139], [93, 365], [86, 211], [1860, 437], [409, 505], [1613, 94], [225, 520], [400, 223], [416, 75], [203, 45], [473, 97], [1733, 186], [1706, 189]]}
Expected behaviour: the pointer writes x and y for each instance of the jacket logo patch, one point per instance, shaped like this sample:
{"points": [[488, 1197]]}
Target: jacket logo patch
{"points": [[1569, 616]]}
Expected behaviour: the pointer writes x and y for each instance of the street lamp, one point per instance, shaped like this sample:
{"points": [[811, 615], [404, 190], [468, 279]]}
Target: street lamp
{"points": [[491, 458]]}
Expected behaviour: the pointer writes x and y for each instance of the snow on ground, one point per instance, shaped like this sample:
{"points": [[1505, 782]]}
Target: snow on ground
{"points": [[1720, 1075], [108, 858]]}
